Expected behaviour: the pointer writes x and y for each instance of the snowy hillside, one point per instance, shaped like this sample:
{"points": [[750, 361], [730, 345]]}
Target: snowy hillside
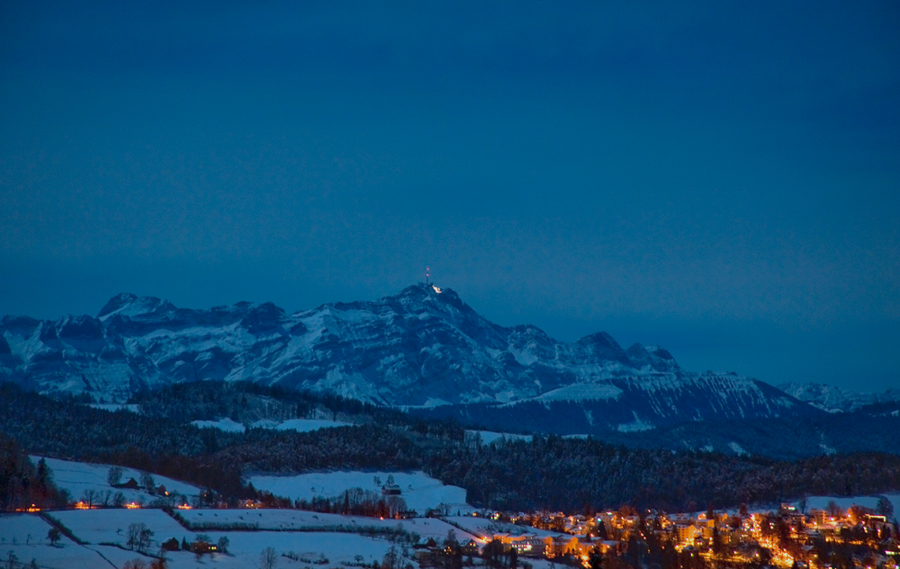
{"points": [[79, 478], [419, 491]]}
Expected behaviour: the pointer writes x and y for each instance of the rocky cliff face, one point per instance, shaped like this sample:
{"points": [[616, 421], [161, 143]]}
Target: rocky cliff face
{"points": [[421, 347]]}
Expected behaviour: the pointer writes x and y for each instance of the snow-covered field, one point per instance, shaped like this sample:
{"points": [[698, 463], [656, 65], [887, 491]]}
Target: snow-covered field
{"points": [[299, 425], [298, 520], [111, 525], [113, 407], [77, 477], [25, 535], [821, 502], [420, 491], [484, 527], [105, 537], [487, 437], [222, 424]]}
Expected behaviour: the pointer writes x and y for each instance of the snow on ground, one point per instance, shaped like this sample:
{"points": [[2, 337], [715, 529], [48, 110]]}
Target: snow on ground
{"points": [[118, 557], [26, 536], [97, 526], [821, 502], [336, 547], [635, 426], [112, 407], [106, 531], [286, 520], [581, 391], [420, 491], [487, 437], [299, 425], [111, 525], [77, 477], [225, 424], [25, 529], [486, 527], [304, 425]]}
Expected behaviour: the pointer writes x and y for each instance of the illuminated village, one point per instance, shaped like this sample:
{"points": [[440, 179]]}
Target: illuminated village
{"points": [[830, 538], [817, 539]]}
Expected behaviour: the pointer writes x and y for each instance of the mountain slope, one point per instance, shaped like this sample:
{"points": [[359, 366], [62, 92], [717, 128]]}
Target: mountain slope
{"points": [[834, 399], [421, 347]]}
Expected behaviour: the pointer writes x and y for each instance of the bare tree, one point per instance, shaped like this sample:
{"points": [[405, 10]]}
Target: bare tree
{"points": [[391, 559], [114, 475], [89, 496], [145, 538], [134, 534], [395, 505], [139, 536], [267, 558], [147, 482]]}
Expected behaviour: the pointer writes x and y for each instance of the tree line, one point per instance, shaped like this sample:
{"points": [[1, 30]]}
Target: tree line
{"points": [[547, 472]]}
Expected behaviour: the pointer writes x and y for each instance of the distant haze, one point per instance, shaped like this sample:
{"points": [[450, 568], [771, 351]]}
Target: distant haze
{"points": [[719, 179]]}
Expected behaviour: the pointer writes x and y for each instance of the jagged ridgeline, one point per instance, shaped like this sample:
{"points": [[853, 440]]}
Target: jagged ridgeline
{"points": [[422, 347]]}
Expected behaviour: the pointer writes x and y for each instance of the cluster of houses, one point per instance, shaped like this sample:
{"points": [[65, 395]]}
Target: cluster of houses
{"points": [[784, 538]]}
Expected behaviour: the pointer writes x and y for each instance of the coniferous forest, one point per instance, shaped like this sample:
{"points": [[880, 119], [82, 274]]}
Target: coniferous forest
{"points": [[552, 472]]}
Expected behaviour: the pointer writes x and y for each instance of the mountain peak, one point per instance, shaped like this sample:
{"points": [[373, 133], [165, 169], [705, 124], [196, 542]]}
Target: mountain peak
{"points": [[654, 356], [430, 291], [600, 346], [420, 346], [421, 288], [131, 305]]}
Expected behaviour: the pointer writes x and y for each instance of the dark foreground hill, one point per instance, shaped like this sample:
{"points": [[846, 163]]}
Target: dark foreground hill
{"points": [[545, 472]]}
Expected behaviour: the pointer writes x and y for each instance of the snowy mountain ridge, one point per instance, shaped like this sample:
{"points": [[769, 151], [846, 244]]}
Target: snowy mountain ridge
{"points": [[421, 347], [834, 399]]}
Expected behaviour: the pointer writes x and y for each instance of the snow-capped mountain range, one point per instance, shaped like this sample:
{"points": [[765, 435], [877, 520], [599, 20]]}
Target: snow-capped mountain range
{"points": [[834, 399], [419, 348]]}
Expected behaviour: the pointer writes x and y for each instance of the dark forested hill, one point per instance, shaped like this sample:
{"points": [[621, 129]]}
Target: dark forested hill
{"points": [[866, 430], [547, 472]]}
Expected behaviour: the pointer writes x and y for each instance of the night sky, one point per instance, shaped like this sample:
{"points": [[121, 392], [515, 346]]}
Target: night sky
{"points": [[719, 178]]}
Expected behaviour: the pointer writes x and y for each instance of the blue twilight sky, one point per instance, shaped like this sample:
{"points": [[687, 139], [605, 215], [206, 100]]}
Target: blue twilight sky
{"points": [[720, 178]]}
